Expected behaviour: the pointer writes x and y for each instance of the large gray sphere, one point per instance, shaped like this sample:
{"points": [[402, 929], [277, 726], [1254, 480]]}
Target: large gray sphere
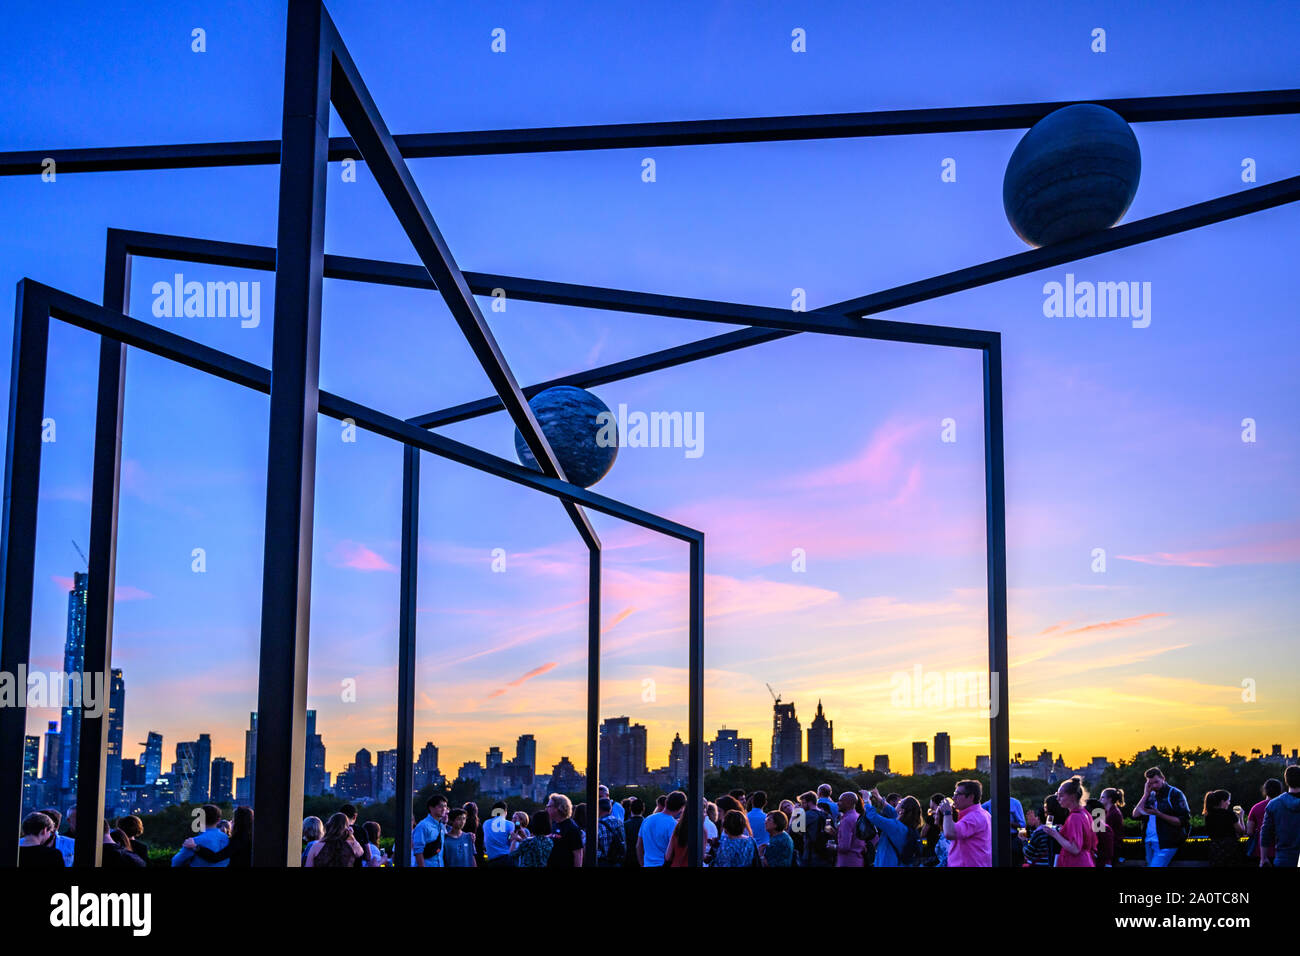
{"points": [[1075, 172], [568, 419]]}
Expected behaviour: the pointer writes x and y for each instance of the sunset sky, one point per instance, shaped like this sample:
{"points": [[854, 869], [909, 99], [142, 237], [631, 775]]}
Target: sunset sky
{"points": [[1119, 438]]}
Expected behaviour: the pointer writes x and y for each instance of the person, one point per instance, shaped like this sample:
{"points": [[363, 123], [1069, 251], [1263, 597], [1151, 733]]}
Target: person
{"points": [[115, 855], [779, 849], [1224, 827], [64, 844], [1168, 818], [827, 804], [1255, 821], [1281, 829], [580, 820], [1040, 848], [1017, 815], [426, 839], [967, 826], [899, 827], [710, 822], [211, 838], [458, 845], [817, 829], [567, 851], [497, 834], [678, 852], [338, 848], [736, 847], [1076, 837], [936, 844], [632, 831], [349, 811], [533, 844], [660, 803], [1112, 801], [239, 850], [657, 829], [611, 841], [312, 830], [377, 857], [475, 829], [849, 849], [133, 827], [757, 817], [616, 808], [36, 850]]}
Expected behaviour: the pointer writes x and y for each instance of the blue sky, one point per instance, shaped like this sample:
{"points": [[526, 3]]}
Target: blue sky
{"points": [[1121, 438]]}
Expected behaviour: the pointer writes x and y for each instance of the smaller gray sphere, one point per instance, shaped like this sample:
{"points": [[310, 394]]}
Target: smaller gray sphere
{"points": [[1075, 172], [568, 417]]}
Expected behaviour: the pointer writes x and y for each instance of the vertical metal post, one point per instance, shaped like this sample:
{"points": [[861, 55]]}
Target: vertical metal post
{"points": [[593, 702], [18, 546], [995, 500], [92, 767], [291, 456], [406, 646], [695, 716]]}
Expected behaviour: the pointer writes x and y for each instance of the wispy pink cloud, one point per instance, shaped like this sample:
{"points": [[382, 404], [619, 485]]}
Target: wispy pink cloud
{"points": [[351, 554], [123, 592], [535, 672], [1259, 552]]}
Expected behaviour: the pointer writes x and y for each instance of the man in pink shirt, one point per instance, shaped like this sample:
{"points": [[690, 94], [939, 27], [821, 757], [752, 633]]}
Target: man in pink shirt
{"points": [[970, 834]]}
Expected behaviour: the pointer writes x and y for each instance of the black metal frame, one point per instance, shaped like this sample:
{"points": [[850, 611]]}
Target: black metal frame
{"points": [[319, 72]]}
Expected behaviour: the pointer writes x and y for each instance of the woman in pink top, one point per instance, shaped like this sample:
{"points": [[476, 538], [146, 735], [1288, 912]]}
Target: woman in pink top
{"points": [[848, 848], [1077, 838]]}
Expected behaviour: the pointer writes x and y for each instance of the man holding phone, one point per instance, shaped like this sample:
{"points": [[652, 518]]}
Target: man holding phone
{"points": [[1168, 818]]}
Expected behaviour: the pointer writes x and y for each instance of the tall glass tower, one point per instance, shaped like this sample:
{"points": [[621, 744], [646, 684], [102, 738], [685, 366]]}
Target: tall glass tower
{"points": [[113, 772], [74, 663]]}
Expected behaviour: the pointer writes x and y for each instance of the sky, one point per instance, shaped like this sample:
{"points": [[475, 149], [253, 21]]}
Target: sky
{"points": [[1118, 438]]}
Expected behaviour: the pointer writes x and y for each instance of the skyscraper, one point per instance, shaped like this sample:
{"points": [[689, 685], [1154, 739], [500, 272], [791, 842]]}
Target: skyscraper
{"points": [[152, 757], [183, 773], [732, 750], [74, 665], [53, 767], [31, 771], [426, 767], [622, 752], [881, 763], [385, 774], [678, 762], [116, 718], [202, 768], [221, 787], [920, 756], [942, 753], [245, 787], [526, 751], [821, 746], [787, 740], [314, 760]]}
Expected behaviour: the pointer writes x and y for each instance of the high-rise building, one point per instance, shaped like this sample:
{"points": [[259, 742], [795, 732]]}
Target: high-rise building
{"points": [[385, 774], [731, 750], [314, 760], [526, 751], [183, 771], [920, 756], [116, 719], [31, 771], [494, 759], [982, 763], [52, 769], [74, 666], [246, 786], [152, 757], [787, 738], [565, 777], [678, 762], [821, 746], [942, 753], [622, 752], [221, 786], [881, 763], [202, 769], [427, 773]]}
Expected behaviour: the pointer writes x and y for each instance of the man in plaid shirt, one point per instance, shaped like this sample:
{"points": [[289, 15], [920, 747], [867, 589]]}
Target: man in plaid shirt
{"points": [[611, 845]]}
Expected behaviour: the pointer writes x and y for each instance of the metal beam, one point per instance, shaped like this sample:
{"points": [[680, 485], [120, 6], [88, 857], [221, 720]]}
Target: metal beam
{"points": [[291, 454], [92, 769], [18, 544], [996, 586], [1137, 109], [593, 705], [406, 653], [695, 709]]}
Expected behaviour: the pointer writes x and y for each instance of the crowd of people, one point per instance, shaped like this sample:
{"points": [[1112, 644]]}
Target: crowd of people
{"points": [[858, 829]]}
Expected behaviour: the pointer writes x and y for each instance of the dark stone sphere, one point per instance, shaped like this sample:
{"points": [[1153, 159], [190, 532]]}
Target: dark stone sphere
{"points": [[1075, 172], [568, 419]]}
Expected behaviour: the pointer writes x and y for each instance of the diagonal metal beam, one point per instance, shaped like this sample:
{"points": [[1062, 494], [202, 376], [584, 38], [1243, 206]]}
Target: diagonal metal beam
{"points": [[758, 129]]}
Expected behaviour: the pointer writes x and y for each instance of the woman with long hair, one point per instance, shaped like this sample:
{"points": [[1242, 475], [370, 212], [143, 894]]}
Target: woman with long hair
{"points": [[472, 826], [932, 836], [1112, 801], [900, 829], [312, 830], [534, 847], [1224, 827], [1076, 837], [337, 848]]}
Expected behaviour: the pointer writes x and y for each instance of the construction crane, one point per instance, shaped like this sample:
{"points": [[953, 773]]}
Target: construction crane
{"points": [[84, 560], [776, 698]]}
